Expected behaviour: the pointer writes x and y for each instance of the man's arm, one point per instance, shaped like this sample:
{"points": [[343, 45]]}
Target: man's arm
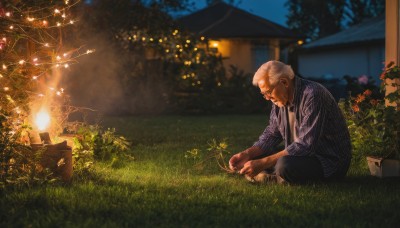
{"points": [[254, 167]]}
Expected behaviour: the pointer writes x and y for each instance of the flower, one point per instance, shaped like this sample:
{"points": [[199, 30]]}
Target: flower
{"points": [[363, 80], [374, 125]]}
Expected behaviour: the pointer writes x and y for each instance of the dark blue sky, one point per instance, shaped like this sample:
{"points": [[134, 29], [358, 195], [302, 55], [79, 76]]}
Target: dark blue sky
{"points": [[272, 10]]}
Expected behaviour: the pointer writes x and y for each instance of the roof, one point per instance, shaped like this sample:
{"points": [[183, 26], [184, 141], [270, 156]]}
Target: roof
{"points": [[222, 20], [372, 30]]}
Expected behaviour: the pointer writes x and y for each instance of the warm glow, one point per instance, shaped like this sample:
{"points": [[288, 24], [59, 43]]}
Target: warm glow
{"points": [[42, 120], [214, 43], [300, 42]]}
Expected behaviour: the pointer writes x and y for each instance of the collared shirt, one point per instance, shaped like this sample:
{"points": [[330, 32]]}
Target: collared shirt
{"points": [[319, 126]]}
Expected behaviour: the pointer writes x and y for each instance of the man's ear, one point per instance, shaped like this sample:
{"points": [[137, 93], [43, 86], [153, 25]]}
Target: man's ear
{"points": [[284, 81]]}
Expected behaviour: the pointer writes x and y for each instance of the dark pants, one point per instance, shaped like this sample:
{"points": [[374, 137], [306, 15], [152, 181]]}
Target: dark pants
{"points": [[299, 169]]}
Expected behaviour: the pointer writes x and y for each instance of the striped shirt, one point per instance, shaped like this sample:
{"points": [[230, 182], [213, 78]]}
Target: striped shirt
{"points": [[319, 126]]}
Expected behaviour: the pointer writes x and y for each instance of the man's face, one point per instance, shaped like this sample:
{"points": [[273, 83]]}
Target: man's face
{"points": [[277, 93]]}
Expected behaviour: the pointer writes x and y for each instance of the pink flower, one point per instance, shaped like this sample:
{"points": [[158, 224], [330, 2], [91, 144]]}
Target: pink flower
{"points": [[363, 80]]}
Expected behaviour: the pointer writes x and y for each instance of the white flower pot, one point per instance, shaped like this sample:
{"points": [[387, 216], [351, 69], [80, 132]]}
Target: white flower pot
{"points": [[381, 167]]}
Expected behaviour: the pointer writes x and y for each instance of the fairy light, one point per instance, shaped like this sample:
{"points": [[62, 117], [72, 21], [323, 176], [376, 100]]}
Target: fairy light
{"points": [[66, 65], [34, 77], [58, 93], [21, 62], [63, 15], [4, 67], [30, 19], [46, 45], [66, 2], [71, 22], [58, 24], [35, 59], [188, 41], [8, 14], [58, 57], [56, 11], [11, 27], [45, 23], [6, 88]]}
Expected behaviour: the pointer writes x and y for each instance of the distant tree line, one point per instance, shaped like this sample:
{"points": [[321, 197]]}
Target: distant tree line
{"points": [[319, 18]]}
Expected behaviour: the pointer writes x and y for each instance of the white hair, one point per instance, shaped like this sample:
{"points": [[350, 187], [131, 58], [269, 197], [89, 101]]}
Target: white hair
{"points": [[273, 70]]}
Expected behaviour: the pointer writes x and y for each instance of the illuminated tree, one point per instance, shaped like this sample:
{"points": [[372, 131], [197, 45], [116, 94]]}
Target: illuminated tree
{"points": [[33, 56]]}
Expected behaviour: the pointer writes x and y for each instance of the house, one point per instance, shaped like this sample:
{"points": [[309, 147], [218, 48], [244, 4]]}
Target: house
{"points": [[358, 50], [244, 40]]}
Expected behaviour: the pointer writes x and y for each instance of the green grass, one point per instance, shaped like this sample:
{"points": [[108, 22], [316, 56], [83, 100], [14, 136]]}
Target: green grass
{"points": [[161, 188]]}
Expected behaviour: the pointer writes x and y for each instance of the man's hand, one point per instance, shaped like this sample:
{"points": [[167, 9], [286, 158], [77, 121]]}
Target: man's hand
{"points": [[254, 167], [238, 160]]}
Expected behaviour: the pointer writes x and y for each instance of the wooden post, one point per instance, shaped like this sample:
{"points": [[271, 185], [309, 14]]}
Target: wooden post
{"points": [[392, 41]]}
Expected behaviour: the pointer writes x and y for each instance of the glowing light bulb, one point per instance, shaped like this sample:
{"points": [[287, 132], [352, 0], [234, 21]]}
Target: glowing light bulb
{"points": [[42, 120], [45, 23], [58, 57], [30, 18], [56, 11], [11, 27], [66, 65], [35, 59], [4, 67], [21, 62], [46, 45], [34, 77], [58, 24], [8, 14], [6, 88], [71, 22]]}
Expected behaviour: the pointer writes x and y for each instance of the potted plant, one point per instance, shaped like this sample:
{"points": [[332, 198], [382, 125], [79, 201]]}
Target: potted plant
{"points": [[373, 122]]}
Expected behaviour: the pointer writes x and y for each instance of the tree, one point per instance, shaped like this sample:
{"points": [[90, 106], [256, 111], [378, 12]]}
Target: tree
{"points": [[33, 55], [315, 18], [319, 18], [358, 10]]}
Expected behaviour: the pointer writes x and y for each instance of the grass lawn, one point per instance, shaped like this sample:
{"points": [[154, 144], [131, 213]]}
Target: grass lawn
{"points": [[161, 188]]}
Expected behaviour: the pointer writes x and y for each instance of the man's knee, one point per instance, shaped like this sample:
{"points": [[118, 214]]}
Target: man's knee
{"points": [[282, 167]]}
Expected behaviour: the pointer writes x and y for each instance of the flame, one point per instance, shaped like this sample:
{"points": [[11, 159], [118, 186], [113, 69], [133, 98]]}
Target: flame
{"points": [[42, 119]]}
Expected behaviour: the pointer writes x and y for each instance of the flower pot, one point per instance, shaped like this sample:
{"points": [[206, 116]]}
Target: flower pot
{"points": [[381, 167]]}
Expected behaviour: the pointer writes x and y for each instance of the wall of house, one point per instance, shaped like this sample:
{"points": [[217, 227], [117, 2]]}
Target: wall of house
{"points": [[247, 55], [334, 64]]}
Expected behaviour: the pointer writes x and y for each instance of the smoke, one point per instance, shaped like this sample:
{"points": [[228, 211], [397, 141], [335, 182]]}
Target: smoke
{"points": [[93, 82], [113, 81]]}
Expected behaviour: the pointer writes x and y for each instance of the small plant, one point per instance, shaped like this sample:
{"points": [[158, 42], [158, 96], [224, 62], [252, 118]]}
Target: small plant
{"points": [[373, 124], [216, 150], [92, 143]]}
